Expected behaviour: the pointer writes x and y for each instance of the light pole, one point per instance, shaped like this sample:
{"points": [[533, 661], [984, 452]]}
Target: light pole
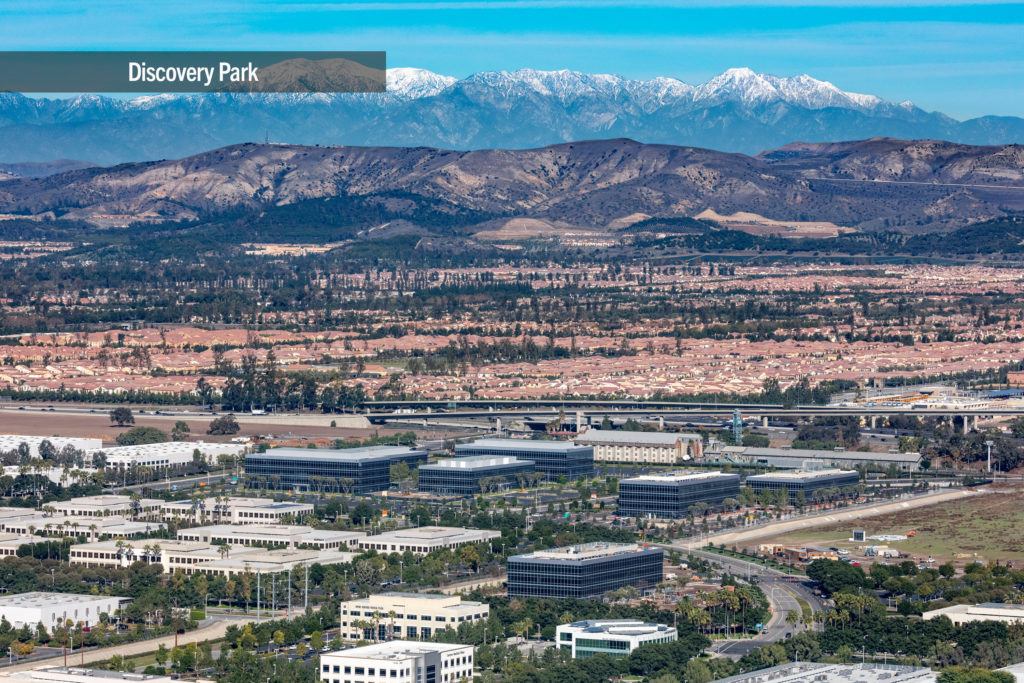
{"points": [[989, 443]]}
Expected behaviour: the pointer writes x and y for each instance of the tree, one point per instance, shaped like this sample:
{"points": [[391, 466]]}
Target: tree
{"points": [[141, 435], [316, 641], [964, 674], [226, 425], [122, 416], [279, 639], [696, 671], [180, 431], [162, 655]]}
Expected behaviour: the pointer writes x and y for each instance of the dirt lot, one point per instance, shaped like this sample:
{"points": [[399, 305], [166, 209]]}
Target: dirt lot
{"points": [[13, 421], [979, 528]]}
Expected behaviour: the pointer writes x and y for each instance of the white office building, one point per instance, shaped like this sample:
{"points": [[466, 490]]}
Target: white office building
{"points": [[425, 539], [11, 442], [407, 615], [986, 611], [169, 454], [235, 511], [70, 674], [273, 536], [399, 661], [52, 609], [654, 448], [610, 637], [108, 506]]}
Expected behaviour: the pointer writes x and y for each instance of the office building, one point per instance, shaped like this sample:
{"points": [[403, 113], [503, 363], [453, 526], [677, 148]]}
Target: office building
{"points": [[407, 615], [10, 543], [12, 442], [425, 539], [235, 511], [69, 674], [795, 458], [474, 474], [91, 527], [654, 448], [162, 456], [610, 637], [809, 481], [272, 536], [107, 506], [269, 562], [584, 571], [802, 672], [347, 470], [553, 458], [51, 609], [399, 661], [670, 496], [1007, 613]]}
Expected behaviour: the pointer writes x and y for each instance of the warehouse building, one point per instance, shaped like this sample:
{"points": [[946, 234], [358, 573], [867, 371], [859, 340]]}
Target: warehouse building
{"points": [[553, 458], [473, 475], [655, 448], [425, 539], [235, 511], [794, 458], [51, 609], [584, 571], [12, 442], [987, 611], [610, 637], [161, 456], [407, 615], [348, 470], [808, 481], [399, 661], [670, 496]]}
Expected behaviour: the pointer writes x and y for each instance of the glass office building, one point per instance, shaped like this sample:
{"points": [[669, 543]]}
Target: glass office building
{"points": [[473, 475], [808, 481], [553, 458], [670, 496], [610, 637], [347, 470], [584, 571]]}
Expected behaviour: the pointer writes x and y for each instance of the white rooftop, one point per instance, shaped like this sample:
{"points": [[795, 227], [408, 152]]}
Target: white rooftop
{"points": [[396, 650], [680, 477], [584, 551], [47, 599], [627, 437], [474, 462]]}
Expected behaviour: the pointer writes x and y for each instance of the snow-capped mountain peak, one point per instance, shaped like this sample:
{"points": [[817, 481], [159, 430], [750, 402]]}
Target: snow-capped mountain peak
{"points": [[409, 83]]}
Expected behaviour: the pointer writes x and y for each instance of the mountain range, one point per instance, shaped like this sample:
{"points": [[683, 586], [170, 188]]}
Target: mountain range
{"points": [[737, 111], [873, 184]]}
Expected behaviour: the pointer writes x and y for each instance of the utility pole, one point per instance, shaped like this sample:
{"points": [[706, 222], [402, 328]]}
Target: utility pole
{"points": [[175, 621], [289, 588], [989, 443], [305, 597], [258, 575]]}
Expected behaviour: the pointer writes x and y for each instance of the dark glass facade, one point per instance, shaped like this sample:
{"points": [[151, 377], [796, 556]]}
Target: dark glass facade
{"points": [[539, 575], [446, 478], [301, 469], [553, 458], [808, 484], [671, 498]]}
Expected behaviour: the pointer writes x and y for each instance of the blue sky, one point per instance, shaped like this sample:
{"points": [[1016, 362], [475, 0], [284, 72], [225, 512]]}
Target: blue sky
{"points": [[965, 59]]}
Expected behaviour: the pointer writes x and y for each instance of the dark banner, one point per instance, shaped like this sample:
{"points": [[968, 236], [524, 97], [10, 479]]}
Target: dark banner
{"points": [[178, 72]]}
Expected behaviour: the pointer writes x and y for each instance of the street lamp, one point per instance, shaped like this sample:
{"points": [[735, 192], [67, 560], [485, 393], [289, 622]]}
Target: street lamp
{"points": [[989, 443]]}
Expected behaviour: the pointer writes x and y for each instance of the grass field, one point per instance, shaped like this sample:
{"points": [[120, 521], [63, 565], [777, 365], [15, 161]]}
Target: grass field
{"points": [[987, 526]]}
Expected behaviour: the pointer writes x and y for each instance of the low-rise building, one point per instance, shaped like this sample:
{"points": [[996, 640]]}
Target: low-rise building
{"points": [[473, 475], [91, 527], [407, 615], [10, 543], [12, 442], [160, 456], [399, 661], [67, 674], [235, 511], [272, 536], [670, 496], [610, 637], [655, 448], [108, 506], [425, 539], [801, 672], [344, 470], [270, 562], [553, 458], [51, 609], [795, 458], [584, 571], [986, 611], [808, 482]]}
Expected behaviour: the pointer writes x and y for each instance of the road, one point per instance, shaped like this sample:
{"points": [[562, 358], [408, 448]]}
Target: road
{"points": [[782, 591], [209, 632]]}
